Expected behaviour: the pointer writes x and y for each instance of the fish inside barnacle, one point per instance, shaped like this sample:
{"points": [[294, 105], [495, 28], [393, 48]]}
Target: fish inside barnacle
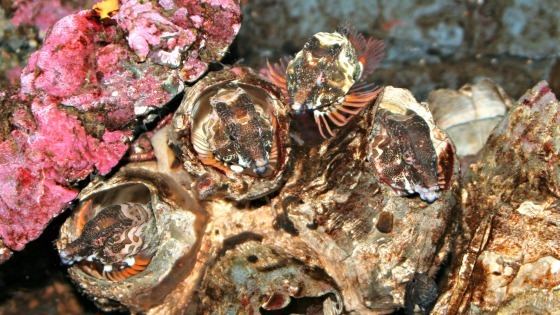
{"points": [[327, 77], [405, 154], [236, 135], [407, 150], [117, 243]]}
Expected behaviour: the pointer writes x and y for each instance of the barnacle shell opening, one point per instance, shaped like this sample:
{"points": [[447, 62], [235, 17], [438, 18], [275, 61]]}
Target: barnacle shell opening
{"points": [[322, 72], [206, 129], [409, 152], [231, 131], [138, 282], [116, 234]]}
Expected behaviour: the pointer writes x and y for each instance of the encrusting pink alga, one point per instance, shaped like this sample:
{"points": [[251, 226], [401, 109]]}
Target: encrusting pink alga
{"points": [[46, 150], [83, 92], [41, 13]]}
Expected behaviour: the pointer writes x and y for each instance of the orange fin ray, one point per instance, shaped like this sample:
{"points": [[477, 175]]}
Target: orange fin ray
{"points": [[322, 124], [319, 126], [360, 100], [82, 220], [276, 73], [351, 111], [337, 118], [211, 161]]}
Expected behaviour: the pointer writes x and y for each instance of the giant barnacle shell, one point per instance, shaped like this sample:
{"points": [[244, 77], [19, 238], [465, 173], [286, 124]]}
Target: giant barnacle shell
{"points": [[119, 239], [469, 114], [133, 238], [333, 238], [408, 151], [231, 133], [510, 263], [372, 242]]}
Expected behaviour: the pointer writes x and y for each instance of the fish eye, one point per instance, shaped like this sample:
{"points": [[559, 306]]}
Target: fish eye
{"points": [[335, 49]]}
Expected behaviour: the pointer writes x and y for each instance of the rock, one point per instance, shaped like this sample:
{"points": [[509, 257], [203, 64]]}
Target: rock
{"points": [[45, 151], [430, 44], [511, 216], [84, 91]]}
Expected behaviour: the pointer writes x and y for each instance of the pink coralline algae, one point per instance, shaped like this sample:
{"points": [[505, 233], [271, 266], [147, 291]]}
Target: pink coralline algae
{"points": [[83, 92], [94, 67], [147, 28], [90, 69], [40, 13], [195, 31], [45, 151]]}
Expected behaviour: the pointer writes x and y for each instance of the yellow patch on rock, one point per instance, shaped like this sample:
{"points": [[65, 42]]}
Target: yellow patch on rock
{"points": [[105, 8]]}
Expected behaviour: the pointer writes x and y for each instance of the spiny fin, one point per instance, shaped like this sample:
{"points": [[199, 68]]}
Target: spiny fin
{"points": [[361, 95], [276, 74], [370, 50], [355, 101]]}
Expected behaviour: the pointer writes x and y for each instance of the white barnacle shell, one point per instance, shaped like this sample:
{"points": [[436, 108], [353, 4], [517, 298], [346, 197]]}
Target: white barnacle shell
{"points": [[469, 115]]}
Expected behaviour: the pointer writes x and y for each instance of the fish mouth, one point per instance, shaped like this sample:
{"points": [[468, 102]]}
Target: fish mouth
{"points": [[68, 259], [261, 167], [299, 108], [260, 170], [428, 194]]}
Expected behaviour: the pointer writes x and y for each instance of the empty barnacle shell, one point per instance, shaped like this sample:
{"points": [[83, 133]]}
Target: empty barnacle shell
{"points": [[408, 151], [469, 114], [327, 77], [132, 238], [231, 133]]}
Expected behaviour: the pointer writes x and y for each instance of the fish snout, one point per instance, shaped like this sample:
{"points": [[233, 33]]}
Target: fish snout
{"points": [[261, 167]]}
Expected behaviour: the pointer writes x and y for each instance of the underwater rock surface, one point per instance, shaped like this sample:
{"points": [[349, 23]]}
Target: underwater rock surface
{"points": [[23, 26], [44, 152], [44, 13], [430, 44], [122, 70]]}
